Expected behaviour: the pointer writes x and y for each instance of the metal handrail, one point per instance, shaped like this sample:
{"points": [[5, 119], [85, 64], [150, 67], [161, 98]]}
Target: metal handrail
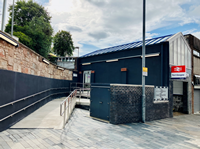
{"points": [[11, 103], [77, 84], [70, 95], [29, 106], [69, 107], [71, 99]]}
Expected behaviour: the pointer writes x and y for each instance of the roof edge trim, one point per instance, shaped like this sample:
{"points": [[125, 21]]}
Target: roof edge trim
{"points": [[9, 39]]}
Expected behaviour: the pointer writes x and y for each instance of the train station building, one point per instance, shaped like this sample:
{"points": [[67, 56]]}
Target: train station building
{"points": [[117, 68]]}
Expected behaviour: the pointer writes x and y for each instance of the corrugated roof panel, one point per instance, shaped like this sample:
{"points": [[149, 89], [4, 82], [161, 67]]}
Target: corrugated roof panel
{"points": [[155, 41], [133, 45], [129, 46], [117, 48]]}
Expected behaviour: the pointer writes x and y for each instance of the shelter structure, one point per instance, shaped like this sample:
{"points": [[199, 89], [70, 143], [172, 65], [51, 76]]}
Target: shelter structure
{"points": [[122, 65]]}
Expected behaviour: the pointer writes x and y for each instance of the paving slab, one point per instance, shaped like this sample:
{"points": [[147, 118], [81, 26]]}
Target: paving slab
{"points": [[82, 132], [48, 116]]}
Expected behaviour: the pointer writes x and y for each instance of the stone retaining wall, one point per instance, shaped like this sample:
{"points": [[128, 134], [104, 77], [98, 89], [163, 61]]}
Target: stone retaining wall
{"points": [[24, 60]]}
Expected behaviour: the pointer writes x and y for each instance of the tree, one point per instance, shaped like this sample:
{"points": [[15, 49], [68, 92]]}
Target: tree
{"points": [[63, 44], [41, 32], [32, 26], [23, 38]]}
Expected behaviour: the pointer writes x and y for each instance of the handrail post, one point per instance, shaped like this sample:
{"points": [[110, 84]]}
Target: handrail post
{"points": [[64, 114], [79, 95], [72, 100], [68, 110]]}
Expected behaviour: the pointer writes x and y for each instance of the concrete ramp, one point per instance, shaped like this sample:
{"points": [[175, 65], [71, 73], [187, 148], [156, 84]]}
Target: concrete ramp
{"points": [[48, 116]]}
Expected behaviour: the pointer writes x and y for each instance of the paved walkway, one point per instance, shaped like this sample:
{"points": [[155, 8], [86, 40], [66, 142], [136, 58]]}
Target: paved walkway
{"points": [[48, 116], [83, 132]]}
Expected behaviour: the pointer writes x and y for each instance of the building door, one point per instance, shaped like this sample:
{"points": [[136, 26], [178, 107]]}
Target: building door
{"points": [[180, 97], [86, 79], [177, 96], [100, 102], [196, 101]]}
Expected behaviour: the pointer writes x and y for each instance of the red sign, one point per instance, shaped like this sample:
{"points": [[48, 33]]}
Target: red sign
{"points": [[178, 69], [178, 72]]}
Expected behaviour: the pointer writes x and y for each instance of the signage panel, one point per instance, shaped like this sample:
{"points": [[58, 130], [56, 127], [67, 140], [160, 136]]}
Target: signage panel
{"points": [[178, 72], [145, 71], [161, 93], [75, 75]]}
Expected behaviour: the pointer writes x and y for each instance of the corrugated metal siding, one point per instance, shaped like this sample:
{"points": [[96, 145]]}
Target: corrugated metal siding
{"points": [[180, 53], [129, 46]]}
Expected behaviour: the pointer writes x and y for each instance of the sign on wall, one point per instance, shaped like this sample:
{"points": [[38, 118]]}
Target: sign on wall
{"points": [[178, 72], [75, 75], [161, 93]]}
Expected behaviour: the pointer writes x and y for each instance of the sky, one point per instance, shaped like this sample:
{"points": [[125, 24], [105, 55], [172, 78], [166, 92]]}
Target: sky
{"points": [[97, 24]]}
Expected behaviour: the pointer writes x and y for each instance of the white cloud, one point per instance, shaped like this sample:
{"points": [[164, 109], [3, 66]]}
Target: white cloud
{"points": [[196, 34], [189, 31], [105, 23]]}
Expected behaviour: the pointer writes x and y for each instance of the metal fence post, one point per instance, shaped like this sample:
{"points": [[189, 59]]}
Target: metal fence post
{"points": [[79, 95], [64, 114], [68, 111]]}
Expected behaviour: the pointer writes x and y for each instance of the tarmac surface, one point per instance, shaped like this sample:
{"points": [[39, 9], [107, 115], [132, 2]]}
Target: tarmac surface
{"points": [[83, 132]]}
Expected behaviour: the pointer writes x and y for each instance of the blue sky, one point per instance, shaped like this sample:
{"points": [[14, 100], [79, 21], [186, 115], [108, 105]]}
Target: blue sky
{"points": [[96, 24]]}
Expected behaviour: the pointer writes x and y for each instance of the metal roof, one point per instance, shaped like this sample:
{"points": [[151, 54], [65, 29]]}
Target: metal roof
{"points": [[129, 46]]}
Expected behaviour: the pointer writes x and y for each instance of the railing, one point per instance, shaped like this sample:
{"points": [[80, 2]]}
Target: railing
{"points": [[68, 104], [11, 103], [30, 104], [76, 85]]}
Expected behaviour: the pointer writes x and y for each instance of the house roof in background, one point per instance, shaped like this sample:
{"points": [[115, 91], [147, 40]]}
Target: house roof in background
{"points": [[129, 46]]}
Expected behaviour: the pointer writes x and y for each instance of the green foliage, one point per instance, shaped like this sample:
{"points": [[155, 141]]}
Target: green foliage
{"points": [[41, 32], [63, 43], [33, 21], [52, 59], [23, 38], [26, 11]]}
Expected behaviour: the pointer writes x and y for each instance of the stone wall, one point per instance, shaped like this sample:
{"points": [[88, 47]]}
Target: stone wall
{"points": [[24, 60]]}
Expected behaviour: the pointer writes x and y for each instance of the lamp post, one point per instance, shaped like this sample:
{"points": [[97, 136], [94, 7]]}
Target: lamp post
{"points": [[12, 18], [78, 50], [143, 64], [3, 15]]}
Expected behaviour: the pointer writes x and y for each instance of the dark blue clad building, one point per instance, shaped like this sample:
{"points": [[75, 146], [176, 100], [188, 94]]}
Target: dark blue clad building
{"points": [[123, 65]]}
